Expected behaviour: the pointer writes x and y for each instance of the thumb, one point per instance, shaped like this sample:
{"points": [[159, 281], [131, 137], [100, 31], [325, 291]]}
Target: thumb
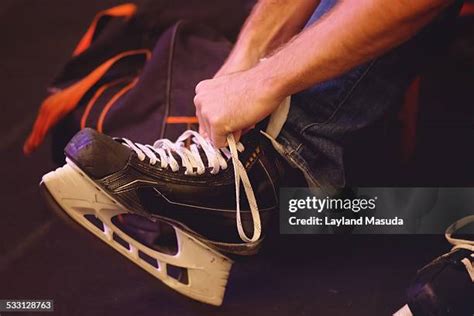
{"points": [[237, 135], [218, 140]]}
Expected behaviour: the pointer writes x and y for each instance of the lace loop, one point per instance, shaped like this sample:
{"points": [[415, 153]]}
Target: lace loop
{"points": [[241, 174], [457, 226], [462, 243]]}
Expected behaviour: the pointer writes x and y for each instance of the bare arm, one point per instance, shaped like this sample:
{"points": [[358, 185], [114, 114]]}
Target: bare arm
{"points": [[271, 24], [353, 32]]}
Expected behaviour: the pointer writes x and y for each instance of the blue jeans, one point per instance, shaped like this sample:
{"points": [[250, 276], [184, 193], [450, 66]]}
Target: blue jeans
{"points": [[323, 118]]}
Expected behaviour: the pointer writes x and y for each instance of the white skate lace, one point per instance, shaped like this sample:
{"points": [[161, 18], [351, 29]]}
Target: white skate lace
{"points": [[191, 160]]}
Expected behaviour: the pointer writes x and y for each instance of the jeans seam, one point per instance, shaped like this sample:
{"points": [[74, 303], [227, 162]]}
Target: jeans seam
{"points": [[298, 148], [300, 163], [344, 100]]}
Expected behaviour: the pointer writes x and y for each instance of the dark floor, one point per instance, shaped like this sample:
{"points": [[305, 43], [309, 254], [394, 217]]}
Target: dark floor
{"points": [[40, 257]]}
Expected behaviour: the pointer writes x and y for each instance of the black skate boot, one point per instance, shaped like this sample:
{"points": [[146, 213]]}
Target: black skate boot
{"points": [[195, 187], [446, 285]]}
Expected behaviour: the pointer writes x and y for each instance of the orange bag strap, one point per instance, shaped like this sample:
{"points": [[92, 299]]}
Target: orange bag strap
{"points": [[182, 120], [112, 102], [126, 11], [59, 104], [94, 99]]}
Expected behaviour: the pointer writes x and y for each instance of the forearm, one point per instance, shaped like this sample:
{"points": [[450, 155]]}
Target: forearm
{"points": [[270, 24], [354, 32]]}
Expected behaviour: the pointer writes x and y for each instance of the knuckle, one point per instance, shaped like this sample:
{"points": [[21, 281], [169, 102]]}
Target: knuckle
{"points": [[214, 120], [196, 101], [200, 85]]}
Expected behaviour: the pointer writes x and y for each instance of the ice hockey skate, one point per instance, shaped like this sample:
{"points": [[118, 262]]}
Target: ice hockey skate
{"points": [[170, 206], [446, 285]]}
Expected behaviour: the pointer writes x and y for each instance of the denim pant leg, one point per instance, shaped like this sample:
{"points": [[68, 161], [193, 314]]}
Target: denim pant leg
{"points": [[323, 117]]}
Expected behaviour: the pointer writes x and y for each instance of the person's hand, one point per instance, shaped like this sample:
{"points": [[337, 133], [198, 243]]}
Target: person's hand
{"points": [[232, 103]]}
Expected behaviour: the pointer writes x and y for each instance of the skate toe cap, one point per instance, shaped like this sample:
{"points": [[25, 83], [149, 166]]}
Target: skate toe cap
{"points": [[98, 155]]}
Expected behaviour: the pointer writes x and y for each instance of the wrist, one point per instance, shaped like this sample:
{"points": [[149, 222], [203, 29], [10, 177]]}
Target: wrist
{"points": [[270, 82], [242, 57]]}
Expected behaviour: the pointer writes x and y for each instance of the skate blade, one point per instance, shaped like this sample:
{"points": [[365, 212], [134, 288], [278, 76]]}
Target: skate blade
{"points": [[203, 272]]}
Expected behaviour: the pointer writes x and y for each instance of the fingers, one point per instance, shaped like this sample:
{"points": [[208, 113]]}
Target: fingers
{"points": [[218, 139], [200, 85], [237, 135], [204, 128], [213, 121], [202, 131], [200, 121], [203, 123]]}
